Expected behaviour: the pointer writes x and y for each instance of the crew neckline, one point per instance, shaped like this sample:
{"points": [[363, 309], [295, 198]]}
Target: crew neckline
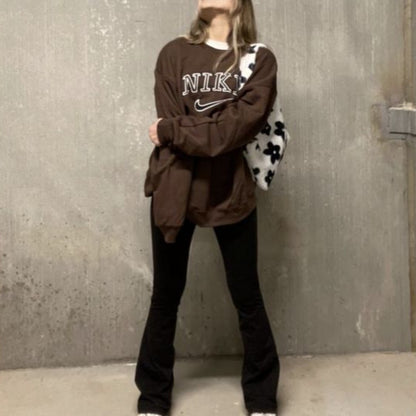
{"points": [[217, 44]]}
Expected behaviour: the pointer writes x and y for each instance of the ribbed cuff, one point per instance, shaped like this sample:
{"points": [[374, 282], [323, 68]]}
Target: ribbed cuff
{"points": [[169, 233], [164, 131]]}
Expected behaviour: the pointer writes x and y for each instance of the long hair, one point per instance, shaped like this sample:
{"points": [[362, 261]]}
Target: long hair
{"points": [[243, 32]]}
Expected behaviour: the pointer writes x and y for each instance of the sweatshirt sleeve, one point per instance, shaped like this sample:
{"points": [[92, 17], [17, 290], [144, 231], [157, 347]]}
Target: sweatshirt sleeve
{"points": [[234, 124], [167, 99]]}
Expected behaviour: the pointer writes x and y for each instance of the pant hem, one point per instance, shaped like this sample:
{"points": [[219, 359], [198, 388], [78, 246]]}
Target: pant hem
{"points": [[153, 410], [262, 410], [158, 412]]}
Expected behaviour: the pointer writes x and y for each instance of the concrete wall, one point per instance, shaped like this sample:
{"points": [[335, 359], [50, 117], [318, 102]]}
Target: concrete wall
{"points": [[75, 251]]}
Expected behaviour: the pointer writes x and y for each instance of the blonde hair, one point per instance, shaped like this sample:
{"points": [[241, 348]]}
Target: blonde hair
{"points": [[243, 32]]}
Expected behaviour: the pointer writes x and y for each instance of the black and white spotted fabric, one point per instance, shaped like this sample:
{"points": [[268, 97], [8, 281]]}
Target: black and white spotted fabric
{"points": [[265, 152]]}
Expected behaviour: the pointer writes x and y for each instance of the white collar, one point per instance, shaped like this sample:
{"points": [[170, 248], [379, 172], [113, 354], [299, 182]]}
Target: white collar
{"points": [[217, 44]]}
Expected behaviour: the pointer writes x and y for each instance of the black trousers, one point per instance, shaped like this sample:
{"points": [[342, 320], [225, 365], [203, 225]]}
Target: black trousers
{"points": [[260, 371]]}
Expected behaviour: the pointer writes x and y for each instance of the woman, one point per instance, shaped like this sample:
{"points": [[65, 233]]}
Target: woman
{"points": [[198, 176]]}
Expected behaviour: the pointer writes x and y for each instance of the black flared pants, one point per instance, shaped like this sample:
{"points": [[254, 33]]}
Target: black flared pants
{"points": [[260, 370]]}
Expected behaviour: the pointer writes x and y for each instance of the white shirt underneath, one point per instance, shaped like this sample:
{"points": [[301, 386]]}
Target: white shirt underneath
{"points": [[217, 44]]}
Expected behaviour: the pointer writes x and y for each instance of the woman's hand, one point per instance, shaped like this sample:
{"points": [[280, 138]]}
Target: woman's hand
{"points": [[153, 132]]}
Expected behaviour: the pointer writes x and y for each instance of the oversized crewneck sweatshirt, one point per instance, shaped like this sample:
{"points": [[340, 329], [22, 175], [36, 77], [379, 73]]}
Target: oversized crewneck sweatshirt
{"points": [[199, 171]]}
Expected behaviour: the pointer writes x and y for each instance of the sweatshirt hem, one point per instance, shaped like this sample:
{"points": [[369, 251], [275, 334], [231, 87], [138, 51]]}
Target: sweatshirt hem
{"points": [[228, 218]]}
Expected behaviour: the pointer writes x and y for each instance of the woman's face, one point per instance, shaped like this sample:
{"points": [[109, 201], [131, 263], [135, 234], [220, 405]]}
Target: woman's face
{"points": [[216, 6]]}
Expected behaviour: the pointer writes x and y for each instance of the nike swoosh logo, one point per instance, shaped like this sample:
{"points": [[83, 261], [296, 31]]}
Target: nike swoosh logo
{"points": [[202, 107]]}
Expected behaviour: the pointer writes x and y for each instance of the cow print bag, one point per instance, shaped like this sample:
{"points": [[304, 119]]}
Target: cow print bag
{"points": [[265, 152]]}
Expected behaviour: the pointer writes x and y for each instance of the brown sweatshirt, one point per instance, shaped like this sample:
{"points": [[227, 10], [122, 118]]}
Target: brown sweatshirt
{"points": [[199, 171]]}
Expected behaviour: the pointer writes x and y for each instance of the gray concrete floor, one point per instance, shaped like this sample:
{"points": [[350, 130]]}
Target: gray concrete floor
{"points": [[340, 385]]}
